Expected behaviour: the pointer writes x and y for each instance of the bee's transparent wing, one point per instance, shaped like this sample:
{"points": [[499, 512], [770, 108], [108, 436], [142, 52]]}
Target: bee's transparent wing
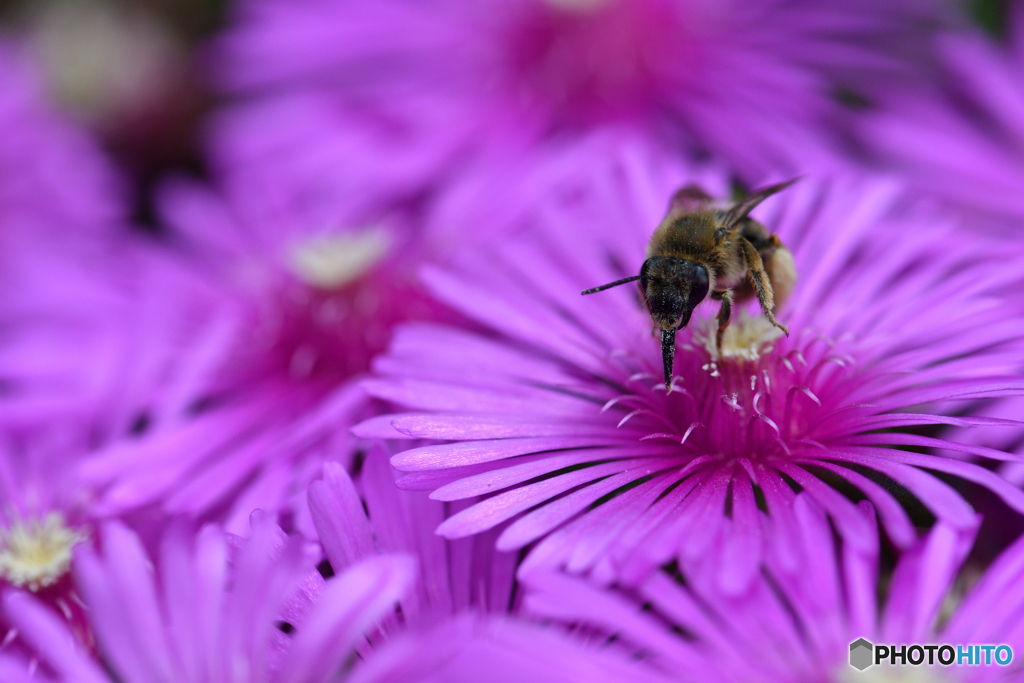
{"points": [[747, 204]]}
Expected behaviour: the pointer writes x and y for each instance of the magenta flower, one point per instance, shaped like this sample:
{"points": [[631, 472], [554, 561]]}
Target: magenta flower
{"points": [[962, 139], [456, 576], [459, 621], [79, 373], [554, 412], [62, 221], [385, 100], [797, 619], [963, 144], [53, 177], [72, 375], [215, 610], [469, 649], [45, 515], [206, 617], [278, 312]]}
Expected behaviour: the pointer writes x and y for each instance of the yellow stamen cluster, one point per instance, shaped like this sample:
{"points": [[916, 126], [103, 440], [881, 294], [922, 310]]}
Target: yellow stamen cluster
{"points": [[332, 261], [37, 554]]}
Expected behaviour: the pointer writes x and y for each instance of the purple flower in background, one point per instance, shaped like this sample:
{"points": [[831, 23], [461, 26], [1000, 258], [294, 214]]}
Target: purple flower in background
{"points": [[456, 576], [53, 178], [62, 223], [215, 610], [459, 621], [46, 514], [208, 617], [963, 143], [556, 415], [962, 140], [79, 373], [797, 619], [383, 100], [280, 309], [72, 374]]}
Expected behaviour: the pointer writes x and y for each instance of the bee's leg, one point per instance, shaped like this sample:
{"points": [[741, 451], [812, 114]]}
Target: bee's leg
{"points": [[776, 258], [763, 286], [724, 316]]}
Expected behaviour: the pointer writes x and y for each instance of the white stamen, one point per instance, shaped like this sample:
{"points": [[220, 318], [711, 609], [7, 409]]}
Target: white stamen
{"points": [[712, 368], [12, 633], [746, 339], [331, 261], [37, 554]]}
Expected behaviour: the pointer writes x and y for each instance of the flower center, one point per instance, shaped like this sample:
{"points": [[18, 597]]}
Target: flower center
{"points": [[588, 60], [325, 321], [333, 261], [322, 317], [746, 338], [37, 554], [755, 399]]}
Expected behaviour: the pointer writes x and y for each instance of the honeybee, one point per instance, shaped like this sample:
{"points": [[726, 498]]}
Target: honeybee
{"points": [[701, 247]]}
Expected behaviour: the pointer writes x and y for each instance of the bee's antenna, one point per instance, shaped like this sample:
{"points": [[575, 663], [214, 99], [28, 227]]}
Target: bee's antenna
{"points": [[748, 203], [611, 284], [668, 354]]}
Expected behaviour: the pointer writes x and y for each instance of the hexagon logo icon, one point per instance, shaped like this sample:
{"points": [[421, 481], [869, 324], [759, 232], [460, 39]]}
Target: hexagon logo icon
{"points": [[860, 654]]}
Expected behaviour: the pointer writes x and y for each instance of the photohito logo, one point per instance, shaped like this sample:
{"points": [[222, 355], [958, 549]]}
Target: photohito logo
{"points": [[864, 653]]}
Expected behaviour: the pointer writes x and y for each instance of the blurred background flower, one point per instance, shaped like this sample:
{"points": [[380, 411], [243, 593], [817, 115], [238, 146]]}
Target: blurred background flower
{"points": [[960, 137], [280, 310], [408, 92]]}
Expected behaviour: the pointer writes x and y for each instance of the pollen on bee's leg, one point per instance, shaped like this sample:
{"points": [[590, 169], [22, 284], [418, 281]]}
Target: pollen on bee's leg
{"points": [[746, 339], [37, 554]]}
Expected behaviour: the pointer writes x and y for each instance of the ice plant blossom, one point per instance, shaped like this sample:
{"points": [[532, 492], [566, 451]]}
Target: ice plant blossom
{"points": [[961, 139], [216, 608], [207, 613], [72, 371], [962, 143], [796, 621], [556, 416], [280, 310], [358, 520], [62, 224], [460, 620], [46, 515], [381, 99]]}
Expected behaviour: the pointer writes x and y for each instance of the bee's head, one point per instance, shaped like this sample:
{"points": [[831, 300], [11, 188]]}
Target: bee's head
{"points": [[672, 288]]}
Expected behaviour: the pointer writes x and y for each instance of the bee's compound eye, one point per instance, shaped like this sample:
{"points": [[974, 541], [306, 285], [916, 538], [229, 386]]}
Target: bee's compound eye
{"points": [[649, 275], [647, 268], [698, 284]]}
